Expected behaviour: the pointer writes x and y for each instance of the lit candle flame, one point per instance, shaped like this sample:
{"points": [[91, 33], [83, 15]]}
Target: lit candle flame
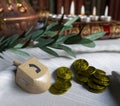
{"points": [[72, 8], [94, 11], [83, 10], [62, 10], [106, 11]]}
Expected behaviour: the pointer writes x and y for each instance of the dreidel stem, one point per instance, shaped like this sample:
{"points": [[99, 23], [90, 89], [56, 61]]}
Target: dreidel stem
{"points": [[16, 63]]}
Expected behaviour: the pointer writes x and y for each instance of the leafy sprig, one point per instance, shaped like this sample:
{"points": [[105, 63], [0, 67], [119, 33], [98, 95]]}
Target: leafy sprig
{"points": [[47, 37]]}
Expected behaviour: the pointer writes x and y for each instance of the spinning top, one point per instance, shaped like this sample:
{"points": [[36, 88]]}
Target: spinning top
{"points": [[32, 76]]}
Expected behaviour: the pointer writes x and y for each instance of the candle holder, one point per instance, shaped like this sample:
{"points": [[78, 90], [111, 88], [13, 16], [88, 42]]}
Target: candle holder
{"points": [[106, 18], [16, 16], [94, 18], [88, 20], [83, 18]]}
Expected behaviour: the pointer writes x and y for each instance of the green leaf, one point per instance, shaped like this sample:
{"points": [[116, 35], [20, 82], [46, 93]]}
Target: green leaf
{"points": [[68, 27], [16, 51], [49, 34], [65, 48], [9, 40], [1, 39], [71, 21], [49, 51], [63, 29], [19, 45], [12, 39], [87, 42], [28, 31], [61, 32], [80, 40], [64, 38], [43, 42], [50, 26], [95, 36], [57, 27], [73, 40], [68, 50], [35, 34], [16, 42]]}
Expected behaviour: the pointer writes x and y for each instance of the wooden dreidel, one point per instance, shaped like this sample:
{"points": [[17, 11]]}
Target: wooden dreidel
{"points": [[32, 76]]}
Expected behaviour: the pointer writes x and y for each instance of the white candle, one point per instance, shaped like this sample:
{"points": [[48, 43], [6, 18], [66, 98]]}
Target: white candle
{"points": [[94, 17], [62, 10], [106, 11], [72, 8], [83, 17], [83, 10], [106, 17], [94, 11]]}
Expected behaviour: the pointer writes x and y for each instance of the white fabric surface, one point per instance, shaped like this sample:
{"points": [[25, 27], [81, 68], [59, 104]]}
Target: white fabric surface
{"points": [[106, 56]]}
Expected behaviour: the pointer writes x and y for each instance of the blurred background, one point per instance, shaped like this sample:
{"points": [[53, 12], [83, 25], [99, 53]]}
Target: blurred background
{"points": [[54, 6]]}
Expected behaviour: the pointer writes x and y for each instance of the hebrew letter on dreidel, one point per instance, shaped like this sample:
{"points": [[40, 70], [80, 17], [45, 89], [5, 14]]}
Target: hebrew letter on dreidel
{"points": [[33, 76]]}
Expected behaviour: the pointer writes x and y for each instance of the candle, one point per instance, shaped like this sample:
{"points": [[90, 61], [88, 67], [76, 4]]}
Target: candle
{"points": [[72, 8], [61, 13], [83, 10], [94, 11], [83, 17], [94, 17], [62, 10], [106, 11], [106, 17]]}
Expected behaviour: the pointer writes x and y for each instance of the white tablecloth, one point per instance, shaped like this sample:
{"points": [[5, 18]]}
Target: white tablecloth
{"points": [[106, 56]]}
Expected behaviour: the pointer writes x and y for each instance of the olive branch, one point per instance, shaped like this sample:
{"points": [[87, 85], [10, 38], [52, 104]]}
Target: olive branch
{"points": [[47, 37]]}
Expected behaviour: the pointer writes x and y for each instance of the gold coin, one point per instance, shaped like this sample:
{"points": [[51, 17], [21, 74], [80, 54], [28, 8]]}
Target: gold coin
{"points": [[55, 91], [101, 77], [96, 90], [100, 82], [100, 72], [83, 73], [80, 64], [91, 70], [61, 85], [93, 85], [65, 80], [64, 73], [81, 78]]}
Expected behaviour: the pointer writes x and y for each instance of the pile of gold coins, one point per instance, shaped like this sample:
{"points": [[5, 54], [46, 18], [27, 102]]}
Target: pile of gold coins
{"points": [[95, 80], [62, 84]]}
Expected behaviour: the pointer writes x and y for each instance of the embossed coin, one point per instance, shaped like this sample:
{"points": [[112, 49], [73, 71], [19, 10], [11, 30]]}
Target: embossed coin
{"points": [[80, 64], [91, 70], [65, 80], [55, 91], [101, 77], [96, 91], [100, 82], [60, 85], [93, 85], [64, 73], [100, 72], [81, 79]]}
